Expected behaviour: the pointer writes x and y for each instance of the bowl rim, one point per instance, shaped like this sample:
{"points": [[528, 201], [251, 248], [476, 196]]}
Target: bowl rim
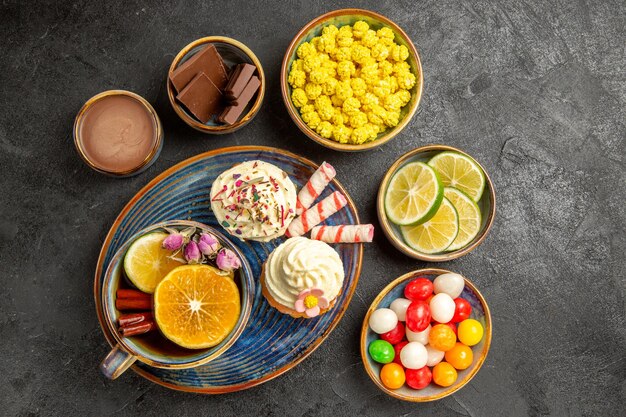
{"points": [[219, 129], [293, 112], [246, 304], [448, 390], [387, 226]]}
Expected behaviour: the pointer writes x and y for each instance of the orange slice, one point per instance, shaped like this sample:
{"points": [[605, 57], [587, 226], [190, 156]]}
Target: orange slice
{"points": [[197, 306]]}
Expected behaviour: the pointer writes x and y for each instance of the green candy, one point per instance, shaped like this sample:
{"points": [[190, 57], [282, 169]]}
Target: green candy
{"points": [[381, 351]]}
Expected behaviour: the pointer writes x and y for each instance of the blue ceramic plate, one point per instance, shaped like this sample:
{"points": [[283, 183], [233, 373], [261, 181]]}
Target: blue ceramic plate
{"points": [[480, 312], [272, 343]]}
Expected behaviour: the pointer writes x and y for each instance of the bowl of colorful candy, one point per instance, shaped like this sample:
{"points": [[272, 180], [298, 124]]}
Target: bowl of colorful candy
{"points": [[436, 203], [425, 335], [351, 79]]}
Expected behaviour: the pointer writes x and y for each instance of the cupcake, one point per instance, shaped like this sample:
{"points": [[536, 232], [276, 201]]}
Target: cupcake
{"points": [[302, 277], [254, 200]]}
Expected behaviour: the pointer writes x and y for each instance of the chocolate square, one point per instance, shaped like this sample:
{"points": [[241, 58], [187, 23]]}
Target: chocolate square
{"points": [[201, 97], [209, 61]]}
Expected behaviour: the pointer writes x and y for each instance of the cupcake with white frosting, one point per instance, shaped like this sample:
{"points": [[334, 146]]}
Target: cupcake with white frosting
{"points": [[302, 277], [254, 200]]}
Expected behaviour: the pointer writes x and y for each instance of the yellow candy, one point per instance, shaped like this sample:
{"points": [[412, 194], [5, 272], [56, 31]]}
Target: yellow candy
{"points": [[312, 91], [299, 97], [350, 83], [325, 129], [359, 29]]}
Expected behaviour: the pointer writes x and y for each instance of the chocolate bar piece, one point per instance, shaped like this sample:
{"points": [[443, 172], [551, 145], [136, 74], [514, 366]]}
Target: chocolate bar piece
{"points": [[201, 97], [209, 61], [232, 113], [238, 80]]}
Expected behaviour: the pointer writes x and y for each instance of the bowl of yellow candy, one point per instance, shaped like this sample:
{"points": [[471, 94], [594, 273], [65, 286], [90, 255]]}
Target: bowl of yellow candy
{"points": [[351, 80]]}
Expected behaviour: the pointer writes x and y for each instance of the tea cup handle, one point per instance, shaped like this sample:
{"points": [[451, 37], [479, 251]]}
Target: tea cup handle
{"points": [[116, 362]]}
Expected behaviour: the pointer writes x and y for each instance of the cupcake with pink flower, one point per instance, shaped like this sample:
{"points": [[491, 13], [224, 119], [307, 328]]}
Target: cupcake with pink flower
{"points": [[302, 277]]}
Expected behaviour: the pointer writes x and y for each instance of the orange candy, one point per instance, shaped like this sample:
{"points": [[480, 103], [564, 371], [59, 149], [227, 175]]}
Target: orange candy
{"points": [[392, 375], [460, 356], [444, 374], [441, 337]]}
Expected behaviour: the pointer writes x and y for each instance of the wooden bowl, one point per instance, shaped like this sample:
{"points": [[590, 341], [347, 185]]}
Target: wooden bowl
{"points": [[480, 312], [487, 205], [341, 18], [233, 52]]}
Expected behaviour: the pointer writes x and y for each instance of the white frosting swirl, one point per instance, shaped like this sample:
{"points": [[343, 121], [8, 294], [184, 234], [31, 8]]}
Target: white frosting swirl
{"points": [[299, 264], [254, 200]]}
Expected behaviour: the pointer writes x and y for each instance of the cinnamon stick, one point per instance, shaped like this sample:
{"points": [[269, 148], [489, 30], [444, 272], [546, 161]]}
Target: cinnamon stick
{"points": [[133, 303], [129, 293], [138, 328], [134, 318]]}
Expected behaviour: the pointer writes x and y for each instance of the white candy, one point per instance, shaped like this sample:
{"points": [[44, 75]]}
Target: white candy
{"points": [[413, 355], [399, 306], [420, 337], [383, 320], [450, 283], [434, 356], [442, 308]]}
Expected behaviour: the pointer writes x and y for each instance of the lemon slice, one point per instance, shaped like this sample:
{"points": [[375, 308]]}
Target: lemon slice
{"points": [[470, 218], [413, 195], [460, 172], [196, 306], [146, 263], [436, 234]]}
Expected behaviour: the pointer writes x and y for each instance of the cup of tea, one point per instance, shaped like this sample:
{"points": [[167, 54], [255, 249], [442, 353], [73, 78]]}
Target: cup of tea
{"points": [[153, 348]]}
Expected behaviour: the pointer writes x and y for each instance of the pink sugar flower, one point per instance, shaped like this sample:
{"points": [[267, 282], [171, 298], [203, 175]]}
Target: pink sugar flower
{"points": [[311, 302]]}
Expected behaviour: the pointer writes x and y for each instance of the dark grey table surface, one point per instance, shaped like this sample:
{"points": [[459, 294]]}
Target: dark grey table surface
{"points": [[535, 90]]}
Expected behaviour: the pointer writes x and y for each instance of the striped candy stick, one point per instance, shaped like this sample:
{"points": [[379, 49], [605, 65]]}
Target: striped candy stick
{"points": [[316, 214], [349, 233], [314, 187]]}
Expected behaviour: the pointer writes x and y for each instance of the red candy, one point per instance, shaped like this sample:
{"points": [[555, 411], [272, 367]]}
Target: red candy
{"points": [[418, 378], [394, 336], [462, 310], [397, 348], [418, 289], [418, 316]]}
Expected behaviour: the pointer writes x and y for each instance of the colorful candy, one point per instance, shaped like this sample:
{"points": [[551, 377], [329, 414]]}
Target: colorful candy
{"points": [[434, 356], [442, 308], [460, 356], [413, 355], [392, 375], [351, 233], [316, 214], [417, 316], [444, 374], [418, 289], [462, 310], [470, 332], [394, 336], [418, 378], [441, 337], [381, 351], [383, 320], [399, 306], [421, 337], [450, 283], [314, 187], [427, 336]]}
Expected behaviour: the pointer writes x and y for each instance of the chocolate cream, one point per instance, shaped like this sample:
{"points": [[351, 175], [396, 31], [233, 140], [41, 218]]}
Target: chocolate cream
{"points": [[117, 133]]}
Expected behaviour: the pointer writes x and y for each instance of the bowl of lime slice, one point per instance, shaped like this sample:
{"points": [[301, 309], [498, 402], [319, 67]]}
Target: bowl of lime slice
{"points": [[436, 203]]}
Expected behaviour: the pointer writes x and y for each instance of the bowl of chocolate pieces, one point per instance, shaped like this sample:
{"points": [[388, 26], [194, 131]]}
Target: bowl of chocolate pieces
{"points": [[216, 85]]}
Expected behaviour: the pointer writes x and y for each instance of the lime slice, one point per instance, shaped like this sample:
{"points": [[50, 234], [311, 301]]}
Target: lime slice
{"points": [[435, 235], [469, 217], [460, 172], [146, 263], [413, 195]]}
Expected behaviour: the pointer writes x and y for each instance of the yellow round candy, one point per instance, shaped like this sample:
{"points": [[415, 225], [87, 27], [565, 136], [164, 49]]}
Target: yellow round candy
{"points": [[470, 332]]}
